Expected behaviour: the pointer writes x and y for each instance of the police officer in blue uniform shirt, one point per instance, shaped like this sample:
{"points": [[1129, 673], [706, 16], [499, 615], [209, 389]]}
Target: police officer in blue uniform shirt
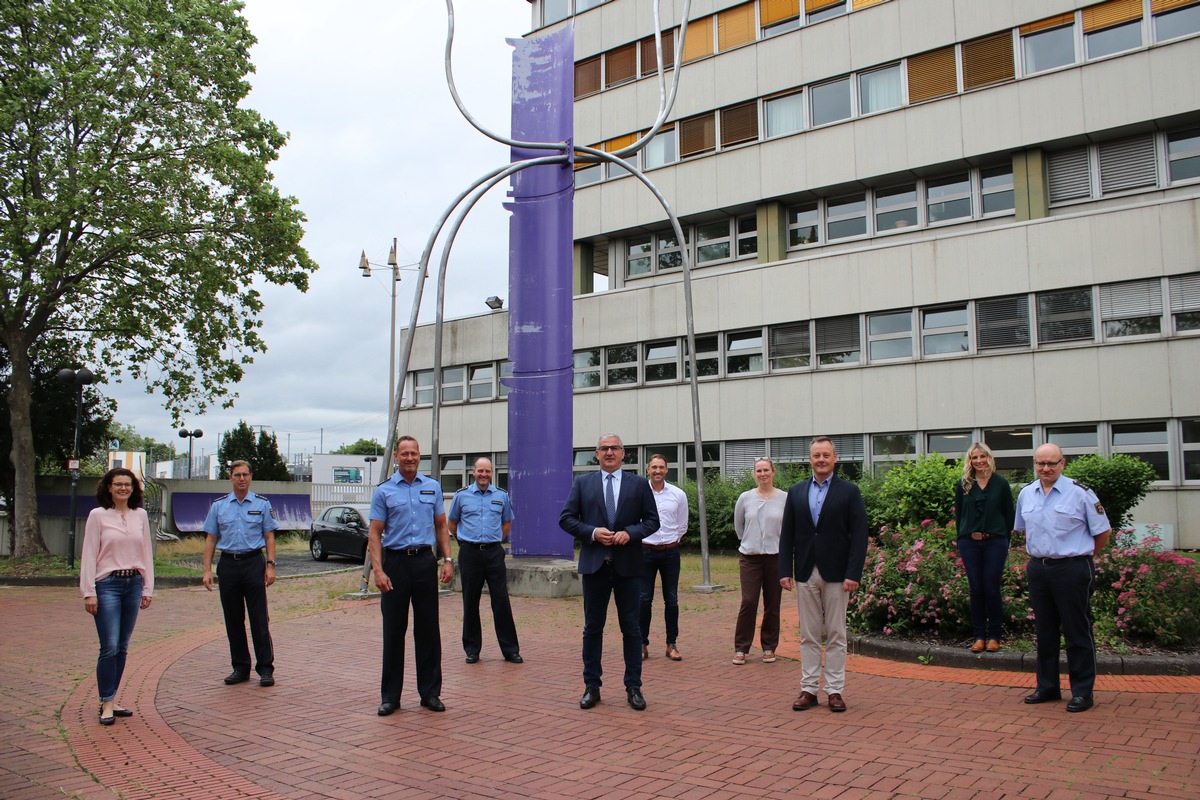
{"points": [[481, 517], [1065, 526], [242, 524], [408, 521]]}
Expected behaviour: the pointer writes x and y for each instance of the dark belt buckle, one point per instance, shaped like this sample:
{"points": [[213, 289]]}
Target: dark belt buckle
{"points": [[413, 551]]}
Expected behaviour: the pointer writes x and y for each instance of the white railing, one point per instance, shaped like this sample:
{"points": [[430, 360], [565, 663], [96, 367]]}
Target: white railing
{"points": [[325, 495]]}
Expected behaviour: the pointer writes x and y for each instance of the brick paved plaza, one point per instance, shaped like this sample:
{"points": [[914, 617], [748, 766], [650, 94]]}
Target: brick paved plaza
{"points": [[712, 730]]}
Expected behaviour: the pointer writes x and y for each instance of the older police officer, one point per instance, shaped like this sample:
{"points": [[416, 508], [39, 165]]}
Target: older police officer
{"points": [[1065, 526], [481, 517]]}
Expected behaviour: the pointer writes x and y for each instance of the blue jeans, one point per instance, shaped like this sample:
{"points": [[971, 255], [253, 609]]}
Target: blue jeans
{"points": [[117, 604], [983, 562], [666, 563]]}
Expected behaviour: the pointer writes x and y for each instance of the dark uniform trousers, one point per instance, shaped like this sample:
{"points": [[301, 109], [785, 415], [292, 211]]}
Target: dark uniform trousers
{"points": [[598, 587], [477, 565], [1060, 594], [243, 591], [414, 580]]}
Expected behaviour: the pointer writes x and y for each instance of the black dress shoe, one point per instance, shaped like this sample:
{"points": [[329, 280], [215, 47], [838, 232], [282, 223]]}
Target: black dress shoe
{"points": [[590, 697], [236, 677], [515, 658], [266, 679], [387, 708], [471, 658], [432, 703], [1042, 697], [1080, 703], [636, 701]]}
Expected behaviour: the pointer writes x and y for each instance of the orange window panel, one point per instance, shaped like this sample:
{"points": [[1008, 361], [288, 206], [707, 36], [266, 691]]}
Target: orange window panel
{"points": [[587, 76], [735, 26], [864, 3], [1112, 13], [932, 74], [988, 60], [699, 42], [1159, 6], [1047, 23], [613, 145], [816, 5], [773, 11]]}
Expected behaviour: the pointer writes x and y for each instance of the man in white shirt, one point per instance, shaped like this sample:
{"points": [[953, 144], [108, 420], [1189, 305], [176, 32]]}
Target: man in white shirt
{"points": [[661, 553]]}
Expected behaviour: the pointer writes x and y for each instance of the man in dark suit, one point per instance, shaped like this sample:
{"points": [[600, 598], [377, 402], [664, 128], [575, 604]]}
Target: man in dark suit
{"points": [[823, 543], [610, 512]]}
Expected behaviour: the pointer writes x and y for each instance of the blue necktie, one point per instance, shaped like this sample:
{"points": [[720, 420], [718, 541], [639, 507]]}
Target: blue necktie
{"points": [[610, 502]]}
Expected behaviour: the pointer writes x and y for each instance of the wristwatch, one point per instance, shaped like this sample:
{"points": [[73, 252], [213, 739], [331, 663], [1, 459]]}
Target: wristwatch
{"points": [[270, 562]]}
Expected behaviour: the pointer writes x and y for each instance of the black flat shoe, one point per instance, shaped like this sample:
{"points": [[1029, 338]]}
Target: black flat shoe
{"points": [[107, 720], [1079, 704], [1042, 697], [236, 677], [433, 704], [472, 658], [515, 658], [387, 708], [122, 712], [267, 679]]}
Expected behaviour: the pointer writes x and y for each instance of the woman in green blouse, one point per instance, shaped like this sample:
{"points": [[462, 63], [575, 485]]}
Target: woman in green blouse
{"points": [[984, 504]]}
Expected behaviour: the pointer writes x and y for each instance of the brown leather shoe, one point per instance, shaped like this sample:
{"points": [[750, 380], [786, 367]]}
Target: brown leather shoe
{"points": [[836, 703], [993, 646], [673, 653], [978, 647], [805, 701]]}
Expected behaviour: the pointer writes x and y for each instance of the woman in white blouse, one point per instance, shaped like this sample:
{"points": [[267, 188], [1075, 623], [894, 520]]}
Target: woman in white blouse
{"points": [[757, 519]]}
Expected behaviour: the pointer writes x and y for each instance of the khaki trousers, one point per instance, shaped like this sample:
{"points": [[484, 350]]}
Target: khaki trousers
{"points": [[822, 608]]}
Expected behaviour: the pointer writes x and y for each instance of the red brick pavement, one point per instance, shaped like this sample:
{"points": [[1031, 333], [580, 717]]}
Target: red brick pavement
{"points": [[712, 730]]}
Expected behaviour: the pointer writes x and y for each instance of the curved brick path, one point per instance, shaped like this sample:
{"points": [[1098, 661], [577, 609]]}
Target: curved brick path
{"points": [[712, 730]]}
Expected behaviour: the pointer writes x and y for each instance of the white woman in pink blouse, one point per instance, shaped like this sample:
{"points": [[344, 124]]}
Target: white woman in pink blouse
{"points": [[116, 577]]}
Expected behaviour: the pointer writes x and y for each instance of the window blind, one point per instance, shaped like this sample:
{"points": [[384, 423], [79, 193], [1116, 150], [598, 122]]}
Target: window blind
{"points": [[837, 334], [699, 42], [1113, 12], [1002, 322], [790, 340], [1047, 23], [587, 76], [735, 26], [773, 11], [620, 64], [1069, 174], [740, 456], [697, 135], [650, 58], [1128, 164], [988, 60], [739, 123], [1185, 292], [932, 74], [1064, 316], [1131, 299]]}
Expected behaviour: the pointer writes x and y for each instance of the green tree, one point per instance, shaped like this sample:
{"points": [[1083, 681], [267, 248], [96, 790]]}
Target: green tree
{"points": [[137, 211], [237, 445], [913, 492], [268, 463], [363, 447], [1119, 480]]}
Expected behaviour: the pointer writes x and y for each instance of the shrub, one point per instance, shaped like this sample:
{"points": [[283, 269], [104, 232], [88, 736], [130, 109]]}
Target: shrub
{"points": [[720, 498], [1149, 593], [913, 492], [1120, 481]]}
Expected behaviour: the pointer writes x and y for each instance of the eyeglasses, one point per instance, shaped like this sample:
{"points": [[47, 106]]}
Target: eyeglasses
{"points": [[122, 485], [1047, 464], [609, 448]]}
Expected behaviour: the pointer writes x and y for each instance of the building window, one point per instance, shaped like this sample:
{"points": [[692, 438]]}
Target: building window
{"points": [[1074, 439], [945, 331], [889, 335], [739, 124], [697, 135], [1175, 22], [744, 352], [708, 358], [988, 60], [804, 224], [622, 365], [889, 450], [880, 90], [592, 173], [996, 188], [1065, 316], [482, 379], [584, 460], [452, 384], [1046, 48], [1127, 164], [620, 65], [555, 11], [846, 217], [895, 208], [838, 340], [747, 236], [699, 41], [735, 26], [668, 451], [587, 369], [713, 242], [784, 114], [670, 254], [932, 74], [1013, 450], [1144, 440], [790, 346], [453, 473], [1069, 174], [506, 371], [423, 387], [1002, 322], [660, 150], [639, 256], [950, 444], [662, 361], [1133, 308], [1112, 27], [1191, 449], [587, 76], [1185, 302], [820, 10], [650, 55], [711, 453], [831, 102], [948, 198], [1183, 154]]}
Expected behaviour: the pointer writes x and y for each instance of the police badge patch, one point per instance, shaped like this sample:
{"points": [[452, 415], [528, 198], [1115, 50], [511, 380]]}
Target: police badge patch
{"points": [[1099, 508]]}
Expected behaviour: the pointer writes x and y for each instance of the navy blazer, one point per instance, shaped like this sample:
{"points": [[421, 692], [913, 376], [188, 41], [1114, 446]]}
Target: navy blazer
{"points": [[837, 546], [637, 514]]}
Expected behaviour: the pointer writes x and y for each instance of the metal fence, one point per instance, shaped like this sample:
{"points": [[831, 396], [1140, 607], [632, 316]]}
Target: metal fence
{"points": [[325, 495]]}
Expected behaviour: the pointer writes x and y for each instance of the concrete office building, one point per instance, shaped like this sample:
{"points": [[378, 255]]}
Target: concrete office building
{"points": [[915, 223]]}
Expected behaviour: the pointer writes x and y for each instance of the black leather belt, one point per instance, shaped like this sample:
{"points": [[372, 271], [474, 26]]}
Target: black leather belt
{"points": [[670, 546], [123, 573], [480, 545], [240, 556], [412, 551], [1049, 561], [979, 537]]}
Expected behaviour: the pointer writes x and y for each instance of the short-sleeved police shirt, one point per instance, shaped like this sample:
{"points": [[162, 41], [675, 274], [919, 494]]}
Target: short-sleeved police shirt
{"points": [[407, 510], [1062, 523], [481, 515], [240, 525]]}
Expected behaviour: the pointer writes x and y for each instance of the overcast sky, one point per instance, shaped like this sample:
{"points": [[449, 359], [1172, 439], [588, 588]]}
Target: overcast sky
{"points": [[377, 151]]}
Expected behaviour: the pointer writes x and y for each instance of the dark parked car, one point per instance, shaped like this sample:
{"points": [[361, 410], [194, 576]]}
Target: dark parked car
{"points": [[341, 531]]}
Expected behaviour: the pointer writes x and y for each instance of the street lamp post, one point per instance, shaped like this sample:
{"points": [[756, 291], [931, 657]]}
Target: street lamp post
{"points": [[191, 436], [394, 263], [370, 467], [79, 378]]}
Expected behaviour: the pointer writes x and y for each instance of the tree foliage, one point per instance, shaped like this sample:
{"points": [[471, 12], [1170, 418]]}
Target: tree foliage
{"points": [[363, 447], [1120, 481], [913, 492], [268, 463], [137, 211], [239, 444]]}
